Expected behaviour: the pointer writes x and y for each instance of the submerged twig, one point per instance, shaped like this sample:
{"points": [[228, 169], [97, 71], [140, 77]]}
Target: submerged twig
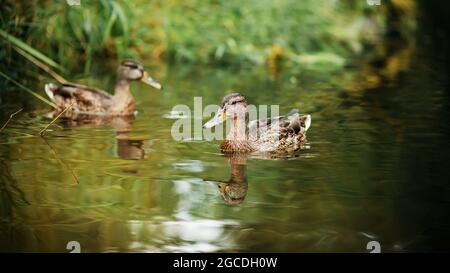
{"points": [[53, 121], [10, 117], [61, 161], [41, 65], [28, 90]]}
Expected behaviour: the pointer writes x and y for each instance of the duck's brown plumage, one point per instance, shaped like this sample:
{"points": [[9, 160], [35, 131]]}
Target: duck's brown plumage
{"points": [[87, 100], [283, 134]]}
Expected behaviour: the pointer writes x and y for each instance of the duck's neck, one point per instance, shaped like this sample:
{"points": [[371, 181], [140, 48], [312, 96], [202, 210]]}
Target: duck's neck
{"points": [[238, 173], [123, 101], [238, 128], [122, 88], [237, 139]]}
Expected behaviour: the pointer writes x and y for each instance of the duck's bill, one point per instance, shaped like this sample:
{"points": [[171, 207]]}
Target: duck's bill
{"points": [[216, 120], [150, 81]]}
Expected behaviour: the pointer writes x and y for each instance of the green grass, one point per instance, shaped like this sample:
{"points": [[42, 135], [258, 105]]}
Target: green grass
{"points": [[218, 32], [26, 89]]}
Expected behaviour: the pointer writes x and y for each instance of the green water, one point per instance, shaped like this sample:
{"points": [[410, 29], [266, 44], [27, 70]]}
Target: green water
{"points": [[375, 167]]}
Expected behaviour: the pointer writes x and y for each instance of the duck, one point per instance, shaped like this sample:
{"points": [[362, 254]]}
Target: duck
{"points": [[281, 134], [85, 100]]}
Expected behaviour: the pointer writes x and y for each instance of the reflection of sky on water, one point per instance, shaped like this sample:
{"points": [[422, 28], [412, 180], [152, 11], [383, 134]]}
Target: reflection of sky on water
{"points": [[186, 232], [194, 166]]}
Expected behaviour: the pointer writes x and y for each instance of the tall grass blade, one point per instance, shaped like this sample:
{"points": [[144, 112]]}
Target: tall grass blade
{"points": [[28, 90], [18, 43], [41, 65]]}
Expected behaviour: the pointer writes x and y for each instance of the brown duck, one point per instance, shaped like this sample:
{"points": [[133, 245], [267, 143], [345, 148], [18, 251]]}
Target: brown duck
{"points": [[280, 134], [92, 101]]}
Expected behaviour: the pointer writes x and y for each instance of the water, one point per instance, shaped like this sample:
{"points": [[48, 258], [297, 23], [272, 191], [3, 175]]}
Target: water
{"points": [[375, 167]]}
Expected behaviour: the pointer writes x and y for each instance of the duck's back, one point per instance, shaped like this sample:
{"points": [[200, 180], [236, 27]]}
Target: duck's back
{"points": [[280, 134], [83, 99]]}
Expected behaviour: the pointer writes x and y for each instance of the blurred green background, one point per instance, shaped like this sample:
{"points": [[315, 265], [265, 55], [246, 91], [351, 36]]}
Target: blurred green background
{"points": [[240, 33]]}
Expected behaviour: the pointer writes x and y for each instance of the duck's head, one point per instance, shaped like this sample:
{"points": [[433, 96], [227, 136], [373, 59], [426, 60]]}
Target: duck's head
{"points": [[131, 70], [233, 193], [233, 106]]}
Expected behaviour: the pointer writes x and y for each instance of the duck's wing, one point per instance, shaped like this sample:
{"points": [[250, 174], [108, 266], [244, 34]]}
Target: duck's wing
{"points": [[289, 129], [85, 99], [292, 120], [296, 122], [256, 126]]}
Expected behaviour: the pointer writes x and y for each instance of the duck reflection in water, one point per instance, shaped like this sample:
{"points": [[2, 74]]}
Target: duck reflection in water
{"points": [[127, 148], [234, 190], [131, 149]]}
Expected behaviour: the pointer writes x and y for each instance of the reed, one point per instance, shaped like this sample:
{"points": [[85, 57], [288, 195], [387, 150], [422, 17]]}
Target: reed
{"points": [[197, 31]]}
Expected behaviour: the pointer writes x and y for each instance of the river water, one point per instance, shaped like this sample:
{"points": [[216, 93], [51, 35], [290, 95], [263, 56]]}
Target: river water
{"points": [[374, 168]]}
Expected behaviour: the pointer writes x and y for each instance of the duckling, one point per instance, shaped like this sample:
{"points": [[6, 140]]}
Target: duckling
{"points": [[92, 101], [282, 134]]}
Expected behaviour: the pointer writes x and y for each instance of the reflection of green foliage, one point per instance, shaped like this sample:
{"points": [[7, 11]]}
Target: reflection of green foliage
{"points": [[238, 32]]}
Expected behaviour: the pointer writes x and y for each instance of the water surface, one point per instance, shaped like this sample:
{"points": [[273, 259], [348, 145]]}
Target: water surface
{"points": [[375, 167]]}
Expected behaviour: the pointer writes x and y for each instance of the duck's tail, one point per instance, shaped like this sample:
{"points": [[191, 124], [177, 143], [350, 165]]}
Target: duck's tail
{"points": [[307, 120], [292, 112], [50, 90], [301, 121]]}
